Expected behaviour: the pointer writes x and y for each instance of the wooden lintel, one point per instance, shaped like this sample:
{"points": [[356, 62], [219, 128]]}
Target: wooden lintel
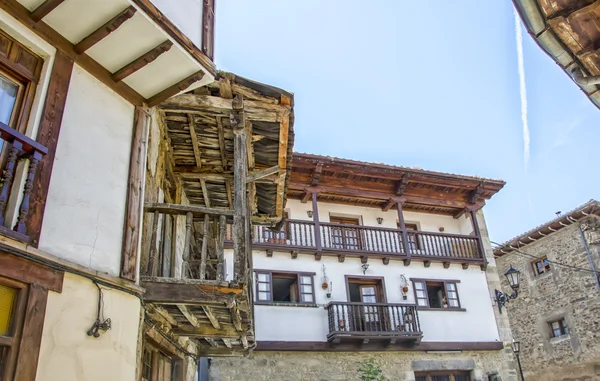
{"points": [[44, 9], [388, 205], [189, 316], [194, 137], [211, 317], [174, 89], [262, 174], [222, 148], [141, 61], [183, 209], [106, 29], [205, 193]]}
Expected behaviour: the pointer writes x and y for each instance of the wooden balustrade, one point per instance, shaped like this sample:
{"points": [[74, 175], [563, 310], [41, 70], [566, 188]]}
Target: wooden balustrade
{"points": [[300, 235], [375, 318], [18, 148]]}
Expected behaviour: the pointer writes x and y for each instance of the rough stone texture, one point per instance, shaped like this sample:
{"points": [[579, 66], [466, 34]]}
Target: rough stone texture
{"points": [[332, 366], [563, 293]]}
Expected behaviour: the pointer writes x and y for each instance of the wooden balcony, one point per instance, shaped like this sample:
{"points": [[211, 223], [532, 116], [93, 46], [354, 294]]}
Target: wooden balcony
{"points": [[17, 148], [184, 277], [377, 325], [366, 241]]}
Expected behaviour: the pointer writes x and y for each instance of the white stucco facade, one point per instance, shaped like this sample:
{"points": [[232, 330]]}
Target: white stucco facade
{"points": [[85, 210], [186, 15]]}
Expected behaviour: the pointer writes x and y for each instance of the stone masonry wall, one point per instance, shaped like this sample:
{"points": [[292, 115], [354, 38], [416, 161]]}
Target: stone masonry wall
{"points": [[564, 292], [338, 366]]}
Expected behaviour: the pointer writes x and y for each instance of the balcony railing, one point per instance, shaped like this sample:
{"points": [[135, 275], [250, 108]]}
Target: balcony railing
{"points": [[372, 321], [16, 148], [300, 235]]}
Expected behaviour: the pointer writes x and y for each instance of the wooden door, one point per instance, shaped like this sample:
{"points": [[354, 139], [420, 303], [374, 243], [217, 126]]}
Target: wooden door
{"points": [[347, 237], [370, 314]]}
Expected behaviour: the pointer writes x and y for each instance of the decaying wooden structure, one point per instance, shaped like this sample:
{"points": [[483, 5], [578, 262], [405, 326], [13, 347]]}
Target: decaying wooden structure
{"points": [[224, 154]]}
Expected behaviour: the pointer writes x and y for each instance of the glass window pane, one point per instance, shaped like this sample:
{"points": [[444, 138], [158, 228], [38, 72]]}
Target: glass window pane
{"points": [[8, 296], [452, 295], [8, 97], [419, 286], [453, 303], [450, 286], [263, 287], [263, 296], [263, 277], [306, 279], [307, 298], [420, 294], [306, 289], [422, 302], [555, 325]]}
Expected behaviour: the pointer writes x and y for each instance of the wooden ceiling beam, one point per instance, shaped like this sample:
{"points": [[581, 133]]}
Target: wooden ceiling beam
{"points": [[174, 89], [284, 130], [211, 317], [402, 184], [249, 146], [205, 193], [188, 315], [262, 174], [314, 179], [222, 147], [44, 9], [306, 197], [106, 29], [461, 213], [389, 204], [194, 137], [142, 61]]}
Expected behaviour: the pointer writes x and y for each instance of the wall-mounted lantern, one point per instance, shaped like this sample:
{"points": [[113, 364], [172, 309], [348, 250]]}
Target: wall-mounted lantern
{"points": [[379, 220], [514, 279], [404, 287], [309, 213], [364, 267]]}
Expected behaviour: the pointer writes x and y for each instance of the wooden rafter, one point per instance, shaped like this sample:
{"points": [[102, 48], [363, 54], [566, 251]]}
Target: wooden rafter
{"points": [[44, 9], [314, 179], [211, 317], [402, 184], [194, 137], [222, 147], [262, 174], [389, 204], [227, 343], [174, 89], [461, 213], [249, 146], [306, 197], [476, 193], [205, 193], [142, 61], [106, 29], [228, 190], [188, 315]]}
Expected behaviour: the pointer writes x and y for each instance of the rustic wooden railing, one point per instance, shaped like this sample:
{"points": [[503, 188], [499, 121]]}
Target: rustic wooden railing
{"points": [[375, 318], [17, 147], [195, 259], [300, 235]]}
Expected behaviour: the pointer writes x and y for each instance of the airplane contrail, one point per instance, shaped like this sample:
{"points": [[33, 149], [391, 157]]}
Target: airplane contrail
{"points": [[522, 92]]}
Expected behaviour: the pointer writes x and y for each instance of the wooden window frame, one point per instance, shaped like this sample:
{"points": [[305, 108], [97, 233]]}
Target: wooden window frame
{"points": [[546, 266], [445, 282], [158, 344], [378, 281], [289, 274], [450, 373], [563, 327], [34, 282]]}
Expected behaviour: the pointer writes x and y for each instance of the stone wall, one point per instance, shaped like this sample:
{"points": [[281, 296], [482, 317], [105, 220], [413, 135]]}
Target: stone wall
{"points": [[330, 366], [564, 292]]}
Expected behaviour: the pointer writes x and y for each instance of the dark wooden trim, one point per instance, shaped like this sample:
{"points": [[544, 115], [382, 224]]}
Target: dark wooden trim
{"points": [[284, 304], [28, 272], [106, 29], [297, 274], [264, 271], [188, 291], [142, 61], [135, 199], [31, 338], [323, 346], [317, 223], [174, 89], [48, 133], [19, 12], [479, 239], [440, 309], [44, 9], [435, 280], [378, 280]]}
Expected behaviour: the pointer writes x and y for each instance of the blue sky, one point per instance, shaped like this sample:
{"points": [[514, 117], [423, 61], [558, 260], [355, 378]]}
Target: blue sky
{"points": [[426, 84]]}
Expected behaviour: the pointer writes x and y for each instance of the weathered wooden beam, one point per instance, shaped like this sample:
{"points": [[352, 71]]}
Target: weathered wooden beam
{"points": [[221, 248], [388, 205], [244, 341], [476, 193], [204, 250], [240, 208], [228, 190], [236, 317], [306, 197], [461, 213], [189, 316], [189, 220], [211, 342], [174, 89], [225, 90], [205, 331], [314, 179], [261, 174], [44, 9], [184, 209], [222, 147], [188, 291], [402, 184], [249, 146], [153, 245], [106, 29], [227, 343], [211, 316], [205, 193], [194, 138], [141, 61]]}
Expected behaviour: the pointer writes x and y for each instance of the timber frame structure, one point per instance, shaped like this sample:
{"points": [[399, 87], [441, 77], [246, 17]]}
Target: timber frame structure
{"points": [[225, 152]]}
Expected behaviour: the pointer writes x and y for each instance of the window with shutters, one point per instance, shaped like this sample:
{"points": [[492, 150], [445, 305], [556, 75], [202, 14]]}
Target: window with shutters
{"points": [[437, 294], [446, 375], [284, 287], [559, 328]]}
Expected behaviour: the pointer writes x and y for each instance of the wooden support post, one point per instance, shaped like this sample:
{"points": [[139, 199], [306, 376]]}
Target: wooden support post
{"points": [[194, 138], [153, 248], [477, 231], [315, 206], [204, 252], [405, 245], [221, 248], [240, 198], [185, 268]]}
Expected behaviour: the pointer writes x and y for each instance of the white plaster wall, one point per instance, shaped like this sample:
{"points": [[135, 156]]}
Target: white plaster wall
{"points": [[67, 353], [186, 15], [273, 323], [425, 221], [85, 210]]}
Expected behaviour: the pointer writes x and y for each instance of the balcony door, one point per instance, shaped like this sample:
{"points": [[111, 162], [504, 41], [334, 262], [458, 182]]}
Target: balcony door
{"points": [[345, 237], [367, 291]]}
